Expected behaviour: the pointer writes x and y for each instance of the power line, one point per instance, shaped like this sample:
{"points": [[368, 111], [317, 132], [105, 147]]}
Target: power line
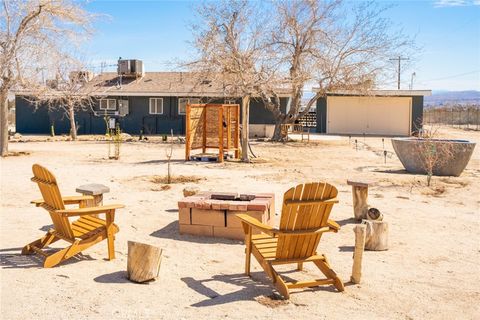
{"points": [[454, 76]]}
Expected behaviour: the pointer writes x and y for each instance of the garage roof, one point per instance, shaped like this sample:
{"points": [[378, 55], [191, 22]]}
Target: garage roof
{"points": [[383, 93]]}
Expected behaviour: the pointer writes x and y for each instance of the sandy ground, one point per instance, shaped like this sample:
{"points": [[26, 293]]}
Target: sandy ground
{"points": [[432, 270]]}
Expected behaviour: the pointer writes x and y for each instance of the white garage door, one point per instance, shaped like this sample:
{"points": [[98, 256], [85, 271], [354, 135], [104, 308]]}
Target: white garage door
{"points": [[369, 115]]}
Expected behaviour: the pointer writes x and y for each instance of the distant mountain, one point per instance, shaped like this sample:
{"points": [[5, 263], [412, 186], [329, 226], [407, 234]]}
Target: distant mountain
{"points": [[440, 98]]}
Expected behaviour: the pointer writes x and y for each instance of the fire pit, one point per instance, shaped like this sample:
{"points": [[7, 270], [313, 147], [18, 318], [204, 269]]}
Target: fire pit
{"points": [[212, 214]]}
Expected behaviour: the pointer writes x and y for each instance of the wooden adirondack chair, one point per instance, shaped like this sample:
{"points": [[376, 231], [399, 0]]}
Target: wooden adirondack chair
{"points": [[82, 233], [304, 219]]}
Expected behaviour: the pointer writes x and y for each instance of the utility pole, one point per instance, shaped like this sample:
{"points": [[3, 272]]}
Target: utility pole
{"points": [[399, 69]]}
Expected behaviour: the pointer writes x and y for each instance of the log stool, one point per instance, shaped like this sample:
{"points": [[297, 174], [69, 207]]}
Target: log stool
{"points": [[360, 197], [93, 189], [143, 263], [376, 235]]}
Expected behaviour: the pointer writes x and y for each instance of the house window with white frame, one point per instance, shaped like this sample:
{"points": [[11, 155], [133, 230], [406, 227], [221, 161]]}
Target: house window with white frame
{"points": [[156, 106], [108, 104], [182, 104]]}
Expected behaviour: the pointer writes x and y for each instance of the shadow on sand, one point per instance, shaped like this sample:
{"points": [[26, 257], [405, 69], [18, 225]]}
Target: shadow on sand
{"points": [[347, 221], [114, 277], [12, 258], [248, 288], [394, 171], [160, 161]]}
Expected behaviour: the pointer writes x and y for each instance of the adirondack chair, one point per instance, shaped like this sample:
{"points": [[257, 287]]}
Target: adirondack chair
{"points": [[305, 212], [82, 233]]}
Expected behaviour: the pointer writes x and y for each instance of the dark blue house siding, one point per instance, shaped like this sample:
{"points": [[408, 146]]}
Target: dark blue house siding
{"points": [[417, 114], [38, 120], [260, 115], [30, 119]]}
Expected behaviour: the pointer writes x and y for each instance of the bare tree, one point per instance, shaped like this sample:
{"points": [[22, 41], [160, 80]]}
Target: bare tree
{"points": [[30, 32], [332, 45], [230, 52], [68, 92]]}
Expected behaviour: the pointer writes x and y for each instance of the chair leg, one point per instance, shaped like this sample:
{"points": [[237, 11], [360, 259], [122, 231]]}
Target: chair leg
{"points": [[111, 247], [110, 234], [248, 256], [278, 282], [300, 266], [54, 259], [40, 243], [248, 247], [330, 274]]}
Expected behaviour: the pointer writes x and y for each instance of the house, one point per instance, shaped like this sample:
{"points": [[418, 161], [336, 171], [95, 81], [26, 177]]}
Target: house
{"points": [[377, 112], [153, 103]]}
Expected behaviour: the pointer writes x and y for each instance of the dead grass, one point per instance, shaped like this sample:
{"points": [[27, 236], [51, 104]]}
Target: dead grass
{"points": [[434, 191], [18, 153], [175, 179], [162, 188]]}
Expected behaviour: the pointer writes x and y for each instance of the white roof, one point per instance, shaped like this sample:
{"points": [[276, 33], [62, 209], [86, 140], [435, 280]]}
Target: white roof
{"points": [[383, 93]]}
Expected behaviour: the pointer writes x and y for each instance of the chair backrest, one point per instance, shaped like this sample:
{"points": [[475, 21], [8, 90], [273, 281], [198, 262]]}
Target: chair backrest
{"points": [[300, 211], [53, 199]]}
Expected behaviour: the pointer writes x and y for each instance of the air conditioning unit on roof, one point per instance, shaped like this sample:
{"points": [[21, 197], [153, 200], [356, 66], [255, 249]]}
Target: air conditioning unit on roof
{"points": [[130, 68]]}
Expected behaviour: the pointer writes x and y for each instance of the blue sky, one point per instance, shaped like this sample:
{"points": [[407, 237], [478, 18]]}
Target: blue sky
{"points": [[448, 32]]}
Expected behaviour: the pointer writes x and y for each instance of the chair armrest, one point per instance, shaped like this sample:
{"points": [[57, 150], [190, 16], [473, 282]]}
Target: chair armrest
{"points": [[37, 202], [254, 223], [333, 225], [66, 200], [90, 210]]}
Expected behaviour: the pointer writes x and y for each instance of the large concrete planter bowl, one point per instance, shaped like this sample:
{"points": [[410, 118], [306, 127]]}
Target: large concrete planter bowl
{"points": [[408, 151]]}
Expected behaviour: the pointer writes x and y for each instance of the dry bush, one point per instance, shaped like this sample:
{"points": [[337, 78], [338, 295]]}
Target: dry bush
{"points": [[176, 179], [431, 153]]}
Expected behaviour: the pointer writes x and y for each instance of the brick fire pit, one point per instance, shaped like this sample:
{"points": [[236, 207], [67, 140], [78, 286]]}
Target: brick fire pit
{"points": [[212, 214]]}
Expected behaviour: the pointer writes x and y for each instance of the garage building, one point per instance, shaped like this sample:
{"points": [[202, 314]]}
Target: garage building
{"points": [[380, 112]]}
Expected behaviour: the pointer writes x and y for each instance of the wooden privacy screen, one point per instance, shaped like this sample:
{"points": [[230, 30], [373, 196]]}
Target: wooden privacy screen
{"points": [[212, 126]]}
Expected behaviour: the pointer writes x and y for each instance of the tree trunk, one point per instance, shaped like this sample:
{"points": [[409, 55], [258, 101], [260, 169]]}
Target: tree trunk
{"points": [[4, 123], [73, 126], [245, 127], [360, 231], [360, 205], [377, 235], [277, 132], [143, 262]]}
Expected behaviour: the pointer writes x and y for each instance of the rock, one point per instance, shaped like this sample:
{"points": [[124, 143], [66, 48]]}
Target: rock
{"points": [[17, 136], [190, 191]]}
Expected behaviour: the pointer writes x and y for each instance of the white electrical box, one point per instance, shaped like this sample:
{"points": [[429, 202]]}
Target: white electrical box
{"points": [[123, 107]]}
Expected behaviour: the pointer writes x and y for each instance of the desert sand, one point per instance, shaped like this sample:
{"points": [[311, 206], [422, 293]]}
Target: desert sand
{"points": [[432, 270]]}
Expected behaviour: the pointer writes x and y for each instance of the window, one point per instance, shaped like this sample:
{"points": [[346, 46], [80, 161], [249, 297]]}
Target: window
{"points": [[108, 104], [156, 105], [182, 104]]}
